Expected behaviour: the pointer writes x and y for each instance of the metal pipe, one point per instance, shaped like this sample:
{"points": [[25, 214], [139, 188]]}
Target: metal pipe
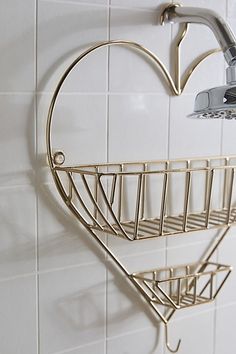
{"points": [[223, 33]]}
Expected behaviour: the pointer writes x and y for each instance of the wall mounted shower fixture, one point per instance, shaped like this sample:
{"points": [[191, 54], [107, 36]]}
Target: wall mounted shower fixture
{"points": [[97, 194], [175, 13], [218, 102]]}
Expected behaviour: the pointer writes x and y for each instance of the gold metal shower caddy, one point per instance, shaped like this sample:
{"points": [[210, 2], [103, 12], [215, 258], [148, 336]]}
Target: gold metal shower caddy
{"points": [[106, 186]]}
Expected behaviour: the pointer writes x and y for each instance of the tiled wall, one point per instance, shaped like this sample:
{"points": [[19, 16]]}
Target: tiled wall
{"points": [[58, 292]]}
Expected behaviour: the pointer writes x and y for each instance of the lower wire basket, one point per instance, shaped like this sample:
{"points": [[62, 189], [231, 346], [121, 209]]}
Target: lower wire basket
{"points": [[183, 286], [149, 199]]}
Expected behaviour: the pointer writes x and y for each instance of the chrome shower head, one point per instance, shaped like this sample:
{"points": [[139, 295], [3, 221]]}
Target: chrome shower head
{"points": [[217, 102]]}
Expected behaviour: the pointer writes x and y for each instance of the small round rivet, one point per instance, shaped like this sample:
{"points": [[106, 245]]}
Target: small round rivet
{"points": [[58, 158]]}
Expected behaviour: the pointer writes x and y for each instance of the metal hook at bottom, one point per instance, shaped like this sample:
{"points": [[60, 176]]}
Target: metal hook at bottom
{"points": [[167, 342]]}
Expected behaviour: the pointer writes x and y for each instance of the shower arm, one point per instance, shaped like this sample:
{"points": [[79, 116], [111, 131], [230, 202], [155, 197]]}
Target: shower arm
{"points": [[175, 13]]}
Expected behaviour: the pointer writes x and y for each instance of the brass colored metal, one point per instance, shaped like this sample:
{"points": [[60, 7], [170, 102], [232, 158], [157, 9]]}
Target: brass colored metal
{"points": [[167, 342], [105, 211], [187, 289], [162, 223], [58, 158]]}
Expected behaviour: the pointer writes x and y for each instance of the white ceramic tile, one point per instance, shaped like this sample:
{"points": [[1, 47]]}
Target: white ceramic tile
{"points": [[142, 342], [231, 11], [192, 137], [85, 2], [17, 45], [18, 235], [191, 238], [65, 29], [227, 256], [98, 348], [17, 138], [142, 261], [78, 128], [147, 4], [43, 172], [130, 71], [188, 254], [228, 138], [63, 241], [225, 330], [72, 311], [232, 22], [138, 127], [196, 333], [18, 316], [124, 248], [126, 310], [219, 8]]}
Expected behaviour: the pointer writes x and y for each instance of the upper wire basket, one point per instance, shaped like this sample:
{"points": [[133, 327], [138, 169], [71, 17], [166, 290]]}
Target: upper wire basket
{"points": [[144, 199], [150, 199]]}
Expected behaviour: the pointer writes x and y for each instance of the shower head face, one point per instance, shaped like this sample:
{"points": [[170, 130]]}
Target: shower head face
{"points": [[217, 102]]}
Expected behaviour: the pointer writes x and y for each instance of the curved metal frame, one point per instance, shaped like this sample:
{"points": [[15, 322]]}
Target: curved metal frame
{"points": [[176, 87]]}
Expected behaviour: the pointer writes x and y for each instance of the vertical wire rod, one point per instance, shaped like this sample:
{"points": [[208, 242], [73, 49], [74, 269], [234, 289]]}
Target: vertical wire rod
{"points": [[206, 184], [230, 195], [195, 290], [139, 195], [226, 162], [163, 203], [96, 193], [186, 199], [178, 291], [144, 186], [211, 286], [120, 192], [208, 203], [171, 276], [70, 194], [113, 188]]}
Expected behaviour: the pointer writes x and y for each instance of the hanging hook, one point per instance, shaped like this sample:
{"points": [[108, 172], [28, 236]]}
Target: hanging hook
{"points": [[167, 341]]}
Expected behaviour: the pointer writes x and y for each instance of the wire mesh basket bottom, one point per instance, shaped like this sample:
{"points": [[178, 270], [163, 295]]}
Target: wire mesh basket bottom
{"points": [[183, 286], [149, 199]]}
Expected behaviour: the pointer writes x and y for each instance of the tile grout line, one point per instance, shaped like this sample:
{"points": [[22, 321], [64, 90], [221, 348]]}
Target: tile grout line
{"points": [[94, 93], [217, 251], [69, 350], [107, 157], [118, 93], [117, 7], [214, 328], [168, 157], [36, 178], [47, 271], [84, 264]]}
